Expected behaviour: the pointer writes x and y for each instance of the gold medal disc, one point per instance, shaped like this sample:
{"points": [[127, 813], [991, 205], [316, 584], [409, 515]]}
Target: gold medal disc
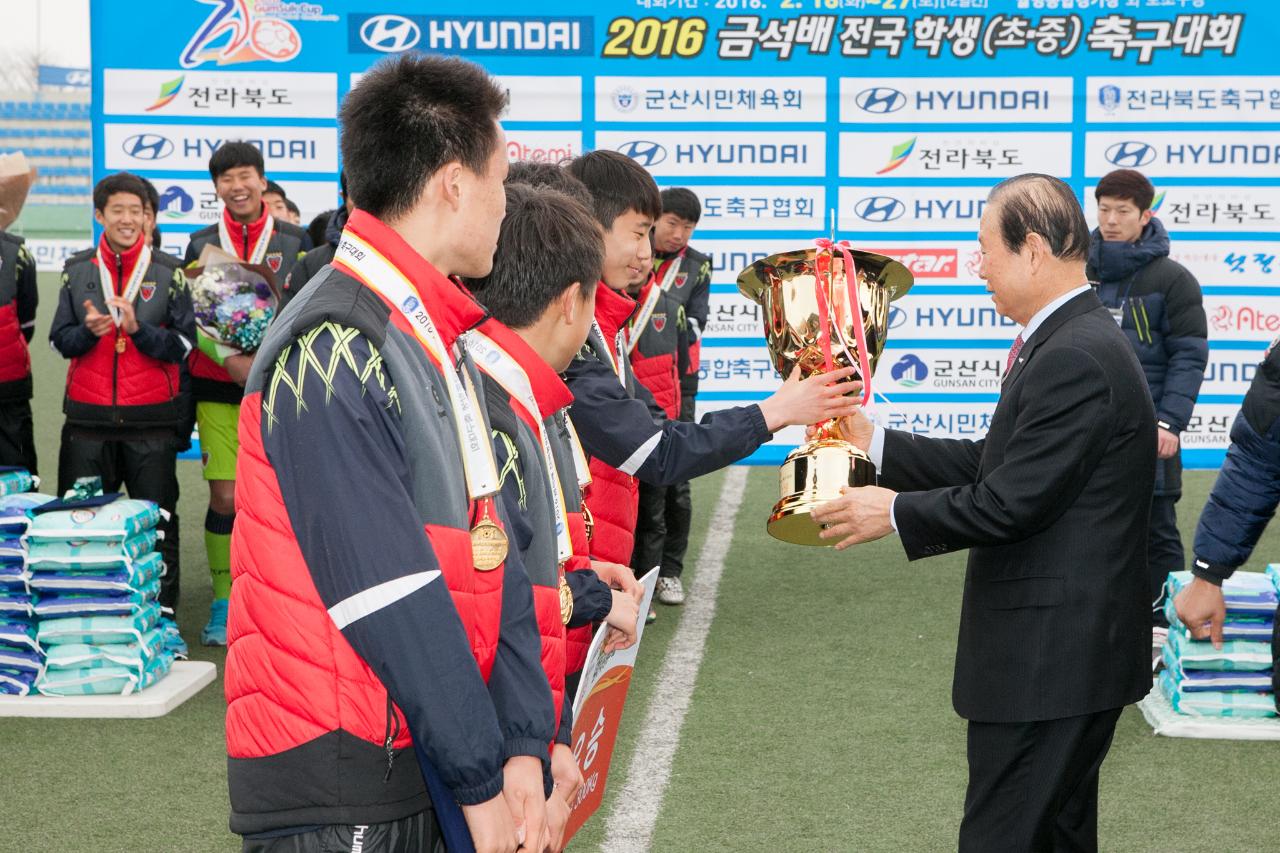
{"points": [[120, 343], [566, 602], [488, 545]]}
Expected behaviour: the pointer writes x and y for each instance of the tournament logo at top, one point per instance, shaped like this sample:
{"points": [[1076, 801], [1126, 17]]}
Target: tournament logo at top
{"points": [[899, 155], [236, 32]]}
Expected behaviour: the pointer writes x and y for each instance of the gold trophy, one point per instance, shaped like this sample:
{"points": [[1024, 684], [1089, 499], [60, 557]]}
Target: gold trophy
{"points": [[825, 308]]}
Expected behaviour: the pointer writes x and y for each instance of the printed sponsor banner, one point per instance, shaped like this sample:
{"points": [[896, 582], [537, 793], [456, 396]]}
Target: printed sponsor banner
{"points": [[1184, 153], [1236, 262], [897, 120], [730, 370], [187, 147], [1209, 427], [761, 208], [704, 99], [758, 153], [972, 100], [1208, 208], [193, 202], [1182, 99], [1243, 318], [1231, 370], [225, 94], [942, 154], [902, 208], [906, 369], [51, 253], [543, 146], [538, 99]]}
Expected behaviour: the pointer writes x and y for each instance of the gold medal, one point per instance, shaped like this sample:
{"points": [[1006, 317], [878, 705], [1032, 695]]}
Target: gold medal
{"points": [[488, 544], [121, 342], [588, 521], [566, 601]]}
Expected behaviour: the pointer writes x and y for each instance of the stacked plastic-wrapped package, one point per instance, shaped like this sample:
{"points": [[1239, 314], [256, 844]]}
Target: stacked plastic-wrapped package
{"points": [[95, 575], [21, 658], [1234, 681]]}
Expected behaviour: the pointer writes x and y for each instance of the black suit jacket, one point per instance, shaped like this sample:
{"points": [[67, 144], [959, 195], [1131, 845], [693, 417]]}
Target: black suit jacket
{"points": [[1053, 505]]}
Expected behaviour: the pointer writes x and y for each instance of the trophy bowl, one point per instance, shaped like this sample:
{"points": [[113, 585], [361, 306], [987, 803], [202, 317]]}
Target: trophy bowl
{"points": [[824, 308]]}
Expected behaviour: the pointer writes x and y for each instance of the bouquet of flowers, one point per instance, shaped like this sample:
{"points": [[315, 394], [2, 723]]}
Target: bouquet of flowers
{"points": [[234, 306]]}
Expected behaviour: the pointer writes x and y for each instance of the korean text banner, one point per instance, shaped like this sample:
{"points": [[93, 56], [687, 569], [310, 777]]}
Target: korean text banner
{"points": [[887, 119]]}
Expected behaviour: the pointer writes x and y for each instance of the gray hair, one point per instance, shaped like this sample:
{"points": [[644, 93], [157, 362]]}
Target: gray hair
{"points": [[1044, 205]]}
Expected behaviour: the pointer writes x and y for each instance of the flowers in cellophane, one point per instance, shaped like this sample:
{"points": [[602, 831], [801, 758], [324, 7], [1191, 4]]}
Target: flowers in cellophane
{"points": [[233, 306]]}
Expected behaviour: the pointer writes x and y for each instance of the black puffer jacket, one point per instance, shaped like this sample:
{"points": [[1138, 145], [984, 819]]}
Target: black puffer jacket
{"points": [[1162, 314]]}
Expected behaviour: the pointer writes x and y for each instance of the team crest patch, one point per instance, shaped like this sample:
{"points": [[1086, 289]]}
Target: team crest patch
{"points": [[659, 322], [147, 290], [680, 279], [274, 259]]}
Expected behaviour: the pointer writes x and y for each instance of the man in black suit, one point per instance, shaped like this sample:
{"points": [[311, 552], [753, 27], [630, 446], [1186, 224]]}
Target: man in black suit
{"points": [[1053, 505]]}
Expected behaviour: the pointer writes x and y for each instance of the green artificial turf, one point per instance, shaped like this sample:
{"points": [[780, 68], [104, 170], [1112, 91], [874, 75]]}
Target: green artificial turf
{"points": [[821, 718]]}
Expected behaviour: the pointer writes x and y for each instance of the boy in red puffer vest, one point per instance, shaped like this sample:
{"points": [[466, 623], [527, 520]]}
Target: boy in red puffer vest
{"points": [[656, 340], [247, 230], [124, 319]]}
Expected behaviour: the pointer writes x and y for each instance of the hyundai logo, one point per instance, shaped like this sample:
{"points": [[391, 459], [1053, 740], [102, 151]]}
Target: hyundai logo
{"points": [[896, 316], [643, 152], [1131, 155], [390, 33], [880, 99], [147, 146], [879, 208]]}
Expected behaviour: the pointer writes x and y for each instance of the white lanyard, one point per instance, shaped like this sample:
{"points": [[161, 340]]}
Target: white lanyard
{"points": [[614, 353], [259, 250], [382, 277], [499, 364], [641, 318], [580, 464], [669, 277], [131, 288]]}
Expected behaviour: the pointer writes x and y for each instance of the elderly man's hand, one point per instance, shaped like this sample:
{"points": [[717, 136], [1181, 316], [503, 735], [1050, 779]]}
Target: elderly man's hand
{"points": [[858, 515]]}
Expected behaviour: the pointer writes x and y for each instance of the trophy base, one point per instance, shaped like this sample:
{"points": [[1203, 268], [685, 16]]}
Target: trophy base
{"points": [[812, 475]]}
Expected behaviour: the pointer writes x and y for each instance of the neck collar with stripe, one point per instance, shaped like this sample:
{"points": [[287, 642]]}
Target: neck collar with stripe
{"points": [[234, 229], [452, 309], [128, 259], [613, 309]]}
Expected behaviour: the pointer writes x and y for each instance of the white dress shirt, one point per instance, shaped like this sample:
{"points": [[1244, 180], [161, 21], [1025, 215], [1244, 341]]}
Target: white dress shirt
{"points": [[876, 450]]}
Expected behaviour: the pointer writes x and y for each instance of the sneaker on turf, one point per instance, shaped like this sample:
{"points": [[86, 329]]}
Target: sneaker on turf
{"points": [[670, 591], [215, 633]]}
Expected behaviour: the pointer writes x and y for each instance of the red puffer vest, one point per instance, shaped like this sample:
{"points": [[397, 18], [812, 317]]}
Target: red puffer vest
{"points": [[541, 558], [115, 382], [15, 360], [614, 497], [654, 334], [291, 676]]}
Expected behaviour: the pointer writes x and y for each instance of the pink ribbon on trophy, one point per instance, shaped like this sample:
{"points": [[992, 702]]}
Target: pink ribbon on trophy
{"points": [[855, 301]]}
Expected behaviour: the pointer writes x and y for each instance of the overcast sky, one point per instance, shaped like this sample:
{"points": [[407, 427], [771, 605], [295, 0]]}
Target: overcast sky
{"points": [[57, 29]]}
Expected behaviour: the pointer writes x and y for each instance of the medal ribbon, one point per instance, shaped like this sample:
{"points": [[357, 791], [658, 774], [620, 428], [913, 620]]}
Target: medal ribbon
{"points": [[580, 464], [670, 268], [511, 376], [131, 288], [385, 279], [259, 250], [614, 354], [635, 328], [855, 304]]}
